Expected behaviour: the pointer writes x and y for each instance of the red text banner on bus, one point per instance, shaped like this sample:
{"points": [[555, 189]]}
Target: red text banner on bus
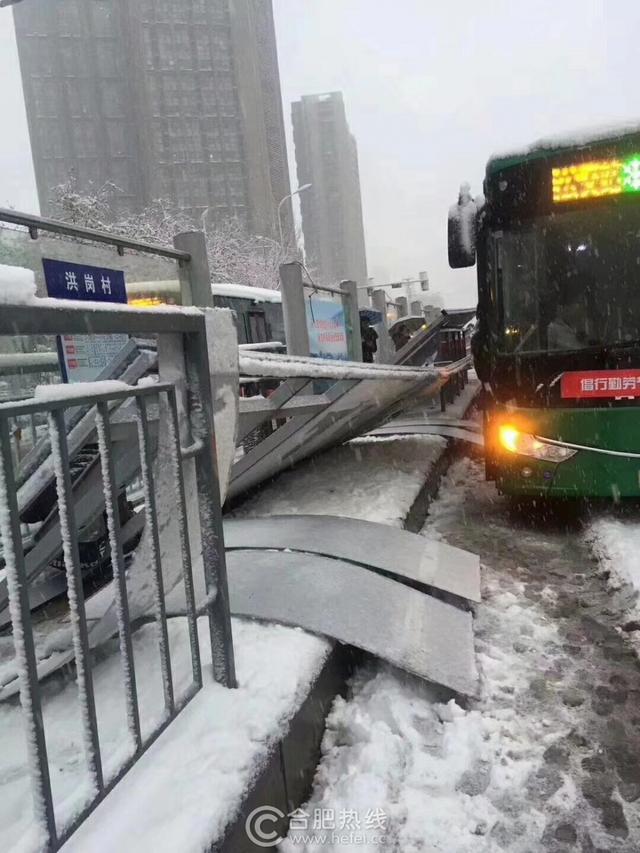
{"points": [[600, 383]]}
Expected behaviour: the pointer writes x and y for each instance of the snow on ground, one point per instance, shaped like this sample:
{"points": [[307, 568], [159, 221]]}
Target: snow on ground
{"points": [[184, 790], [447, 778], [375, 479], [615, 543]]}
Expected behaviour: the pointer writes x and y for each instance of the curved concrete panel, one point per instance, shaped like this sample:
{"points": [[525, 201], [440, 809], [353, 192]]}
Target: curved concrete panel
{"points": [[415, 632], [389, 550]]}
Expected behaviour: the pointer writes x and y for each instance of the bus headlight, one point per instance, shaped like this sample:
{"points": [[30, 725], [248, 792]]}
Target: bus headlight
{"points": [[525, 444]]}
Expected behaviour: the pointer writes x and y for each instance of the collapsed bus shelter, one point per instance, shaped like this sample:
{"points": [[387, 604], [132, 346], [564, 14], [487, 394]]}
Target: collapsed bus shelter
{"points": [[173, 396]]}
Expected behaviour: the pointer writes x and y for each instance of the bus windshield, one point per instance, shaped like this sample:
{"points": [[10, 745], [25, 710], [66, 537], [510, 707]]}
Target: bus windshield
{"points": [[570, 281]]}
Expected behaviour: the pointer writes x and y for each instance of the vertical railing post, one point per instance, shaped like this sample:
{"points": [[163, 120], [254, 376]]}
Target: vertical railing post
{"points": [[352, 319], [294, 309], [210, 510], [146, 470], [75, 594], [119, 574], [195, 278], [23, 640], [185, 545]]}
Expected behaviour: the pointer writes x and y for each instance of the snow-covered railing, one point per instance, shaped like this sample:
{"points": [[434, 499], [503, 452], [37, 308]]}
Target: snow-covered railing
{"points": [[188, 412], [287, 366]]}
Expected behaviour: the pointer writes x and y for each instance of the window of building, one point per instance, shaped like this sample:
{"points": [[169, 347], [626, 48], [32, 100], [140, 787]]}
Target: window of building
{"points": [[192, 140], [222, 56], [189, 100], [216, 178], [103, 18], [87, 171], [194, 189], [119, 173], [199, 10], [225, 92], [107, 57], [147, 47], [116, 138], [45, 96], [80, 101], [208, 94], [53, 173], [112, 98], [211, 139], [165, 47], [203, 48], [157, 134], [39, 55], [171, 94], [182, 49], [71, 56], [176, 140], [154, 88], [231, 142], [146, 10], [69, 18], [84, 138], [52, 142], [218, 11]]}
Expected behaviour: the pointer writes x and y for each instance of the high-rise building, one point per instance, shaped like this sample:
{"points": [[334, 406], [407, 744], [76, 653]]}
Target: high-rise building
{"points": [[327, 158], [172, 99]]}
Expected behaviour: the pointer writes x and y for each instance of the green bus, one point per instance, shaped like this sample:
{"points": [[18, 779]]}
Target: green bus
{"points": [[556, 239]]}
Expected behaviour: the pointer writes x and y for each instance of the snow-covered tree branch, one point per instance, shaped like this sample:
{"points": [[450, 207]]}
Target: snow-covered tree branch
{"points": [[235, 256]]}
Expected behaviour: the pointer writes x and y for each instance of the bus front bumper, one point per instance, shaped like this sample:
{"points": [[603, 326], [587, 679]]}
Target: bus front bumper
{"points": [[585, 473]]}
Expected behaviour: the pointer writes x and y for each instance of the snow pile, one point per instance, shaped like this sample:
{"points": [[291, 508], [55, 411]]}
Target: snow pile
{"points": [[446, 778], [375, 479], [616, 545], [17, 286]]}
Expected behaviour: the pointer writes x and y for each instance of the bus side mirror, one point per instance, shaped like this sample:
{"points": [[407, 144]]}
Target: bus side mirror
{"points": [[461, 234]]}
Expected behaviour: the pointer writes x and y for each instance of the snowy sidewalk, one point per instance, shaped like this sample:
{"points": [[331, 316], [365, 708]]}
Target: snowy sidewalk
{"points": [[548, 758]]}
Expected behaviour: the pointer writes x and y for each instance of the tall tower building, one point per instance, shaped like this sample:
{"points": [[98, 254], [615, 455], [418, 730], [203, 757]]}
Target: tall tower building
{"points": [[327, 158], [174, 99]]}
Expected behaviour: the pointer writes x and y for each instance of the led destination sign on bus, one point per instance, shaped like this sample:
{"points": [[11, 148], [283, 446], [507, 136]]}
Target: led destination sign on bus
{"points": [[596, 179]]}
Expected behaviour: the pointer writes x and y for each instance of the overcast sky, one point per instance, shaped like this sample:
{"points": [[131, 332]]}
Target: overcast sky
{"points": [[432, 88]]}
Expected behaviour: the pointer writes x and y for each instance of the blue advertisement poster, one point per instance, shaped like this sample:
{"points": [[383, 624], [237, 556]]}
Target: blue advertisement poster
{"points": [[84, 357], [327, 329]]}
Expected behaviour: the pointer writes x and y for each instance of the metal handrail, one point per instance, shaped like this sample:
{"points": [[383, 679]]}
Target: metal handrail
{"points": [[41, 223], [190, 325]]}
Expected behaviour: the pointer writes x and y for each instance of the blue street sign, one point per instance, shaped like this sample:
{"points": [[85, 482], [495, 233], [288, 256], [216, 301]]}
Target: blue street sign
{"points": [[84, 357], [79, 281]]}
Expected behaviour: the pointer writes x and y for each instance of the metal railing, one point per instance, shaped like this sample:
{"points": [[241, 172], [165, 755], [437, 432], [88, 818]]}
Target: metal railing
{"points": [[452, 357], [189, 421]]}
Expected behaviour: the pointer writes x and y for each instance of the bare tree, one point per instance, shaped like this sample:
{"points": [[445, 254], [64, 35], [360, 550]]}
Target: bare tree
{"points": [[235, 255]]}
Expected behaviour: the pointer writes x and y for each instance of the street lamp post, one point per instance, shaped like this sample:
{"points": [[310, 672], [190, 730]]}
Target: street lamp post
{"points": [[286, 198]]}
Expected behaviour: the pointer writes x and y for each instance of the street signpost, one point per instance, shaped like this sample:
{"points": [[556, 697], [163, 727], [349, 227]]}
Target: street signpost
{"points": [[84, 357]]}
